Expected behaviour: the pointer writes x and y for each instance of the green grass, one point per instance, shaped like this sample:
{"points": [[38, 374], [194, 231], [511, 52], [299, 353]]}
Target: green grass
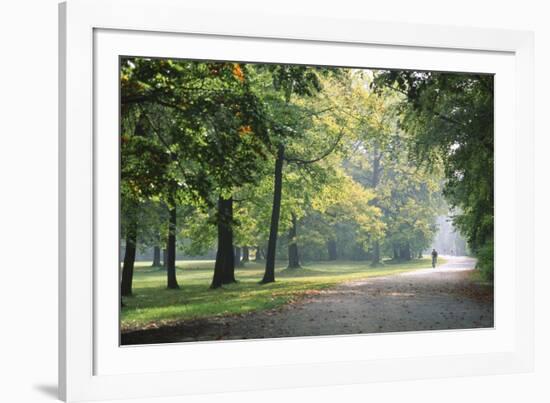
{"points": [[154, 305]]}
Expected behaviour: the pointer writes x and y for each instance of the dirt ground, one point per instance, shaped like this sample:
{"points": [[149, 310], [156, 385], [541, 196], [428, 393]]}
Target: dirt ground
{"points": [[427, 299]]}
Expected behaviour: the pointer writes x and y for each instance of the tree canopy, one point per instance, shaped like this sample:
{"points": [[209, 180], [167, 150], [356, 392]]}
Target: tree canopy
{"points": [[449, 117], [334, 163]]}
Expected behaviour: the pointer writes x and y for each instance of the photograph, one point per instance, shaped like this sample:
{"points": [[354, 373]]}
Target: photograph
{"points": [[286, 201], [269, 200]]}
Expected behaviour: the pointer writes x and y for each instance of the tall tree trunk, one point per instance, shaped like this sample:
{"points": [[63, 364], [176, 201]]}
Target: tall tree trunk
{"points": [[376, 253], [156, 256], [129, 260], [293, 256], [405, 252], [238, 262], [376, 173], [259, 254], [164, 259], [269, 275], [217, 279], [229, 261], [332, 250], [224, 269], [376, 167], [131, 235], [171, 268], [246, 255], [395, 252]]}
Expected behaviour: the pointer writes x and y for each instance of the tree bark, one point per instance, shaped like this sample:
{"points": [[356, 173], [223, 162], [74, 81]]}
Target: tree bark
{"points": [[293, 256], [376, 167], [229, 261], [156, 257], [129, 260], [269, 275], [238, 262], [171, 250], [224, 269], [376, 253], [246, 255], [395, 252], [259, 254], [332, 250], [405, 252], [376, 173]]}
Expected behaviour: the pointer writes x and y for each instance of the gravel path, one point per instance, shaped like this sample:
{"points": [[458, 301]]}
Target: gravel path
{"points": [[425, 299]]}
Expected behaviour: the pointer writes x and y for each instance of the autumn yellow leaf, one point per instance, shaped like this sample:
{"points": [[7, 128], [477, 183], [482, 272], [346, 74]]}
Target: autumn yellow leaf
{"points": [[244, 130], [238, 72]]}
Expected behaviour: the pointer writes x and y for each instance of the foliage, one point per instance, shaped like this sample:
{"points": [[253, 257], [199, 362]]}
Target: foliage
{"points": [[369, 159], [486, 263], [449, 117]]}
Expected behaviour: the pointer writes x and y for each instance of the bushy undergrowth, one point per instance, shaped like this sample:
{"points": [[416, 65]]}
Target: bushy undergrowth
{"points": [[485, 261]]}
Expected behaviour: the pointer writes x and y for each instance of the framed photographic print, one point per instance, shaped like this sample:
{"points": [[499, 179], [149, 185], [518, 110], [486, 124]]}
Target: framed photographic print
{"points": [[253, 201]]}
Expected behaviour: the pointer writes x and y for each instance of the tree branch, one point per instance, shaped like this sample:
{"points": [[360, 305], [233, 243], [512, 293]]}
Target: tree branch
{"points": [[324, 155], [446, 118], [156, 131]]}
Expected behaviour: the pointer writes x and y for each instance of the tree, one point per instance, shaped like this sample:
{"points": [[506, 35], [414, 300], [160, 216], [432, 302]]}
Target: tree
{"points": [[156, 257], [288, 124], [450, 119], [346, 204], [171, 250], [246, 255], [210, 109], [129, 258], [141, 178], [237, 125], [224, 270], [409, 197]]}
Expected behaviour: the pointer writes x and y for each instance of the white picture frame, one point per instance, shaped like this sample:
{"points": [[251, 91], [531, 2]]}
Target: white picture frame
{"points": [[91, 363]]}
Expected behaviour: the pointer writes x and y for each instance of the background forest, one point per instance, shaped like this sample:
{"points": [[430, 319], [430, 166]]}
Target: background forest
{"points": [[277, 167]]}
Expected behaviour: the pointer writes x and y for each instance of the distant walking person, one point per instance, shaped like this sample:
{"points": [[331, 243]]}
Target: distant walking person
{"points": [[434, 258]]}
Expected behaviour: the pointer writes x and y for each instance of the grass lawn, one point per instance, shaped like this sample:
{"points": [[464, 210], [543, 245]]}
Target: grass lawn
{"points": [[154, 305]]}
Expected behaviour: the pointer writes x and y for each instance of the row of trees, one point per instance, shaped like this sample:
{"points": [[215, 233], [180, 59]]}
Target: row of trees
{"points": [[282, 159], [450, 118]]}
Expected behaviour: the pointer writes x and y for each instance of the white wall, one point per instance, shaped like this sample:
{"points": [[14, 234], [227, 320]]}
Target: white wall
{"points": [[28, 198]]}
